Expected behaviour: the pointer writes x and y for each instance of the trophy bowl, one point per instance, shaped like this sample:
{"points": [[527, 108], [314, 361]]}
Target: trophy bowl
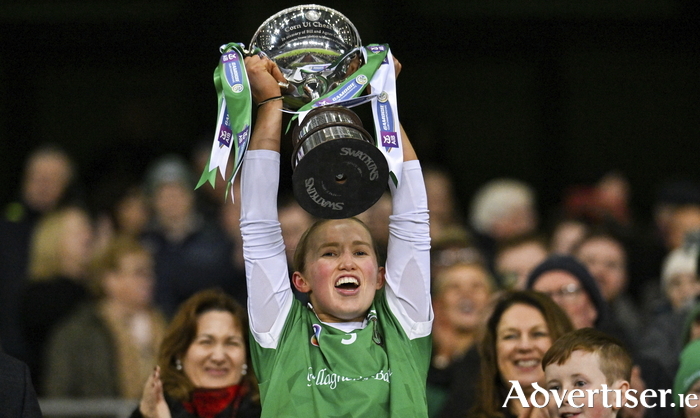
{"points": [[314, 46]]}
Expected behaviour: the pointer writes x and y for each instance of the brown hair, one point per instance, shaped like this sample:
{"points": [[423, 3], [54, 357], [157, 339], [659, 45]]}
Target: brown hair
{"points": [[303, 245], [438, 280], [601, 234], [615, 362], [182, 332], [492, 391], [108, 259]]}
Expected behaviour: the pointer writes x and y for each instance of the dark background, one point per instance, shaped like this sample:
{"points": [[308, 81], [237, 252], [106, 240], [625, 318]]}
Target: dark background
{"points": [[551, 92]]}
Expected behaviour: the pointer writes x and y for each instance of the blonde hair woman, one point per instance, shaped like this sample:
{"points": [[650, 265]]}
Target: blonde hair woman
{"points": [[59, 257]]}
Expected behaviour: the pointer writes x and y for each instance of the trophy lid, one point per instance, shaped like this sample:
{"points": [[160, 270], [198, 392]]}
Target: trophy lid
{"points": [[306, 35]]}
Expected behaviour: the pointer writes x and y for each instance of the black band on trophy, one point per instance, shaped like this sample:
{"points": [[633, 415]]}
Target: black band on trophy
{"points": [[338, 171]]}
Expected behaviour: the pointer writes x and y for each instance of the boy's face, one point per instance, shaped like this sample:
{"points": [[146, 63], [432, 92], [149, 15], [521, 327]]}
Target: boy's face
{"points": [[581, 371], [341, 274]]}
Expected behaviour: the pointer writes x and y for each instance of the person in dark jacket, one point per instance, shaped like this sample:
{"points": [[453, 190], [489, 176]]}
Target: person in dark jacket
{"points": [[17, 395]]}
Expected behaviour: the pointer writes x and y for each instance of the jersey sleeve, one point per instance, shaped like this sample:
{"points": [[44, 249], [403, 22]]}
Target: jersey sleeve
{"points": [[267, 276], [408, 254]]}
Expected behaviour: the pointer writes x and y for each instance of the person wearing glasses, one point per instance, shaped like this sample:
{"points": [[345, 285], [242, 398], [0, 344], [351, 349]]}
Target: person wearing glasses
{"points": [[571, 286]]}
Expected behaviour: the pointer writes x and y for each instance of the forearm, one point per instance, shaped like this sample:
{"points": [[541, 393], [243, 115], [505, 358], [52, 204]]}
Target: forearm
{"points": [[408, 261], [268, 127], [269, 292]]}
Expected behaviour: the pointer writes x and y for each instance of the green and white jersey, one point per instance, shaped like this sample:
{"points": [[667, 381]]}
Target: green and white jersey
{"points": [[307, 368], [320, 371]]}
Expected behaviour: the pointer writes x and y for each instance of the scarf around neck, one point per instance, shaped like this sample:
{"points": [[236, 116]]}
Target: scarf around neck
{"points": [[207, 403]]}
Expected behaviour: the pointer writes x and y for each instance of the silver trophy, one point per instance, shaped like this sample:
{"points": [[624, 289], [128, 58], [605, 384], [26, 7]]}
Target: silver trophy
{"points": [[338, 170], [315, 47]]}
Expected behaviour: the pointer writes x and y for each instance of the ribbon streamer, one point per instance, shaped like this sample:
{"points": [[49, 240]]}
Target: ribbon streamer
{"points": [[233, 123]]}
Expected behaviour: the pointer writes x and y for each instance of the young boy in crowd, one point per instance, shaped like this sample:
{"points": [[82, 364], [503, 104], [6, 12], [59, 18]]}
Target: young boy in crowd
{"points": [[593, 362]]}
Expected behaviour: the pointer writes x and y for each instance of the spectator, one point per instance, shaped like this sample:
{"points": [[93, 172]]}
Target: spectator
{"points": [[517, 257], [663, 339], [17, 395], [460, 293], [605, 258], [48, 176], [190, 252], [566, 235], [107, 348], [453, 248], [59, 260], [520, 330], [572, 287], [442, 202], [47, 183], [605, 203], [587, 359], [500, 210], [679, 277], [203, 367]]}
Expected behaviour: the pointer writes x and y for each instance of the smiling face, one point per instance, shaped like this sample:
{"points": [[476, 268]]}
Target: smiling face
{"points": [[581, 371], [216, 356], [461, 297], [522, 338], [341, 273]]}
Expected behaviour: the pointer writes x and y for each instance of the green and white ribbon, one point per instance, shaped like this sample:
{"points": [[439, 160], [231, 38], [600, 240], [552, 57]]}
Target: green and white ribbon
{"points": [[233, 124], [386, 115], [379, 71]]}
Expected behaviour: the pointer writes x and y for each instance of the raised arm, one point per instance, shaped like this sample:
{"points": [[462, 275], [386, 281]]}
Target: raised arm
{"points": [[269, 292], [408, 258]]}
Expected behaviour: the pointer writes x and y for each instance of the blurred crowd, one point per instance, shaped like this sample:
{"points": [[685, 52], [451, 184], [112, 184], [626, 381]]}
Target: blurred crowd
{"points": [[86, 297]]}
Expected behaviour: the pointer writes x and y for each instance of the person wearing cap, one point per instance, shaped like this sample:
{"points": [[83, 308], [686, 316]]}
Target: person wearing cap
{"points": [[571, 286], [190, 252], [687, 381], [663, 338], [679, 277]]}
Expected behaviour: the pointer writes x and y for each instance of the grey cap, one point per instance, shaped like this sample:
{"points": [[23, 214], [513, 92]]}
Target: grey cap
{"points": [[169, 169]]}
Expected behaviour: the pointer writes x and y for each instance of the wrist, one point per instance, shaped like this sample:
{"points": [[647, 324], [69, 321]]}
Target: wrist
{"points": [[270, 99]]}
